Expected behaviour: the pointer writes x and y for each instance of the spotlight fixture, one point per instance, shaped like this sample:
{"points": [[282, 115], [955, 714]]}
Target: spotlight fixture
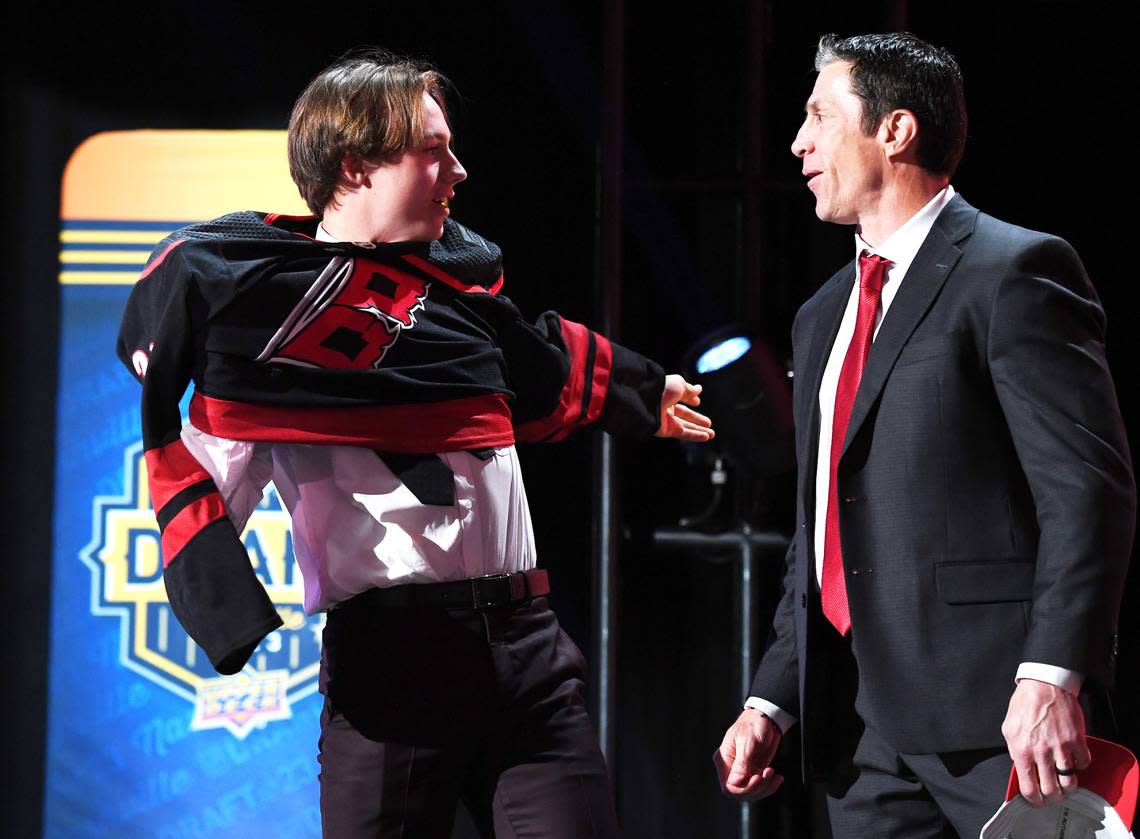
{"points": [[722, 354], [746, 392]]}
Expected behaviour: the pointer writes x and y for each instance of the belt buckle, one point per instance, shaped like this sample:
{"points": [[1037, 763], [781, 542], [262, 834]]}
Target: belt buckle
{"points": [[489, 590]]}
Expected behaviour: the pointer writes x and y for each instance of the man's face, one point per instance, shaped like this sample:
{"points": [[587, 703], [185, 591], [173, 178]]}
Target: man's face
{"points": [[411, 192], [844, 166]]}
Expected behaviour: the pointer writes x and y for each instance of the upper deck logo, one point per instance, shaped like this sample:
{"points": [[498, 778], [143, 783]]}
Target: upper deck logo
{"points": [[126, 583]]}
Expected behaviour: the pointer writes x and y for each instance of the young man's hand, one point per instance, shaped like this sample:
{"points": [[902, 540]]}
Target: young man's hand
{"points": [[679, 420]]}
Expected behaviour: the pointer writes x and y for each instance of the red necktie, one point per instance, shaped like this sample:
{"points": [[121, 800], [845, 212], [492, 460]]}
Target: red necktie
{"points": [[833, 591]]}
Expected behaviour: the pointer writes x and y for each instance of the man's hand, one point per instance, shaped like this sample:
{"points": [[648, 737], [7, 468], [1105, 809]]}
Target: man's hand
{"points": [[1044, 729], [742, 760], [679, 420]]}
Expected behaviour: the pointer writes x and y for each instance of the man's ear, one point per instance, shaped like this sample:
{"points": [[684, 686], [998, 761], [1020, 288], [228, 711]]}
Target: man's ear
{"points": [[898, 132], [355, 172]]}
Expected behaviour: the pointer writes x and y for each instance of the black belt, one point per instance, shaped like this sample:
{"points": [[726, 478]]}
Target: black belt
{"points": [[473, 593]]}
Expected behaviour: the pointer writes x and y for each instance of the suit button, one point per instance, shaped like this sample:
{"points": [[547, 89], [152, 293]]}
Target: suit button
{"points": [[803, 601], [803, 524]]}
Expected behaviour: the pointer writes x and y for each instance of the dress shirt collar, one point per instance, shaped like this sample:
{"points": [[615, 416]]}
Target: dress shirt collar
{"points": [[902, 245]]}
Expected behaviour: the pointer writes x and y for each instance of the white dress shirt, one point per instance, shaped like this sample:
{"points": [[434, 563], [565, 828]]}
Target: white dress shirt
{"points": [[900, 248], [356, 526]]}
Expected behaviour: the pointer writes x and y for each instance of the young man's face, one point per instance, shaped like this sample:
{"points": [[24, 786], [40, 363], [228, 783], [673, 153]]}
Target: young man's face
{"points": [[842, 163], [410, 194]]}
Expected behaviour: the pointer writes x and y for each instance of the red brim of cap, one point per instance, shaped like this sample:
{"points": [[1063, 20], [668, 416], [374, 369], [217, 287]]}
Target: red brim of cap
{"points": [[1114, 775]]}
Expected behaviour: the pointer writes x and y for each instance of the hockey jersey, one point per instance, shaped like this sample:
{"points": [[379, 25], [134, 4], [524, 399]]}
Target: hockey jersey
{"points": [[406, 347]]}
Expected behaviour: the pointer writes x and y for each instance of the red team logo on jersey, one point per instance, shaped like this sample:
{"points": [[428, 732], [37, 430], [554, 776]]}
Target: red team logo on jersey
{"points": [[350, 317]]}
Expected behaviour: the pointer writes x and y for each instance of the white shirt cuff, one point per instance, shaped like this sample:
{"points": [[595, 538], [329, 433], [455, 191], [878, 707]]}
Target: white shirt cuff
{"points": [[775, 713], [1068, 680]]}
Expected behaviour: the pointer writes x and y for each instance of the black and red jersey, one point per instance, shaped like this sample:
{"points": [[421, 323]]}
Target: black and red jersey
{"points": [[406, 347]]}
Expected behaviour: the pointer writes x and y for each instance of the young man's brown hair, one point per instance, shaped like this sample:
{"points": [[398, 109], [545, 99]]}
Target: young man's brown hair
{"points": [[367, 105]]}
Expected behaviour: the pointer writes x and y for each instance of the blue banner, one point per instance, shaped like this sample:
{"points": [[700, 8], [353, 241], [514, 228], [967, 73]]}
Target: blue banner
{"points": [[144, 738]]}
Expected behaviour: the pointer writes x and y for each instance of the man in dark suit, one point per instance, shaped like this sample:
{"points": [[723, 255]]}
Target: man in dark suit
{"points": [[965, 500]]}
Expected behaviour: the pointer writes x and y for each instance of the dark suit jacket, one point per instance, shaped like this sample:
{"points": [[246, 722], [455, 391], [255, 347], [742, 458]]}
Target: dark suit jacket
{"points": [[986, 499]]}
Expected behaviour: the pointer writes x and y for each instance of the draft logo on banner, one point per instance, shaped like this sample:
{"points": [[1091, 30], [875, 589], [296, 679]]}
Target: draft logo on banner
{"points": [[126, 583]]}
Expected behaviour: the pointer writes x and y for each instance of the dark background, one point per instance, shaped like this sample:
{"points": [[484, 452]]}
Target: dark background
{"points": [[716, 229]]}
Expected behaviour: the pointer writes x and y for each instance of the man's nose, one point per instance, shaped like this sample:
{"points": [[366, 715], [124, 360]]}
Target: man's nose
{"points": [[802, 143], [458, 173]]}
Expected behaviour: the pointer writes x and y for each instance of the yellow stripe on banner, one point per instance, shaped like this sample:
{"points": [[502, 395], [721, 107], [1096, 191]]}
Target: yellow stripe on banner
{"points": [[127, 257], [98, 277], [170, 177], [115, 237]]}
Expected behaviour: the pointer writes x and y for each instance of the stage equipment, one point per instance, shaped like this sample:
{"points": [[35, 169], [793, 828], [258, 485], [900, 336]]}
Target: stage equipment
{"points": [[747, 393]]}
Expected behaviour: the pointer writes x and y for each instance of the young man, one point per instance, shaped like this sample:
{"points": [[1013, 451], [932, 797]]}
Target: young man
{"points": [[965, 497], [364, 360]]}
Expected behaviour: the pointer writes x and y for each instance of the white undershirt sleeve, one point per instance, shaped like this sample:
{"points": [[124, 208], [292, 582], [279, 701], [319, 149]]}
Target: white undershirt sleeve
{"points": [[775, 713], [1069, 681], [240, 469]]}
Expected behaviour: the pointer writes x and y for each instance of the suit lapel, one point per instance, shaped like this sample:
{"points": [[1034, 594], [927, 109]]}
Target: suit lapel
{"points": [[924, 280], [826, 325]]}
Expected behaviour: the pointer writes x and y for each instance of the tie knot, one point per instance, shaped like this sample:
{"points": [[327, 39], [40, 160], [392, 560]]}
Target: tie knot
{"points": [[872, 271]]}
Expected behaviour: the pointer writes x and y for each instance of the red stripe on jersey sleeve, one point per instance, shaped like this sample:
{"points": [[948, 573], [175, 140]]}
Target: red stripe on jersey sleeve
{"points": [[188, 523], [170, 469], [583, 393], [600, 381], [158, 260]]}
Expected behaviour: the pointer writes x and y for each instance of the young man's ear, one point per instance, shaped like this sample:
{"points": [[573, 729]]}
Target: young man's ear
{"points": [[355, 172]]}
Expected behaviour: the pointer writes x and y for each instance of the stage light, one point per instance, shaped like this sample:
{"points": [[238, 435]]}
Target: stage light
{"points": [[722, 354], [746, 393]]}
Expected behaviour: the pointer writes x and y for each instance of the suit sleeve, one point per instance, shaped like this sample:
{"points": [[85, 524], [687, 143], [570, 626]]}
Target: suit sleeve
{"points": [[777, 675], [210, 582], [1047, 360], [566, 376]]}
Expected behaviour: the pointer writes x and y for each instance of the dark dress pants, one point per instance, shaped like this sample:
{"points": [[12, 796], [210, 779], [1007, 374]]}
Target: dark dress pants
{"points": [[872, 790], [425, 707]]}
